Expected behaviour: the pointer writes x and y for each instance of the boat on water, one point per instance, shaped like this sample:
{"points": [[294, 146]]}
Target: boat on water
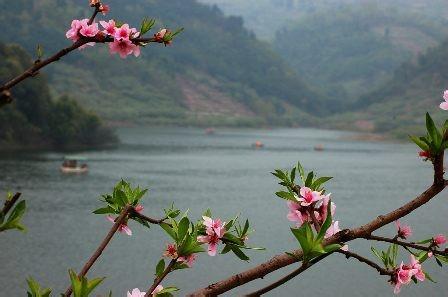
{"points": [[210, 131], [74, 164], [319, 147], [257, 144]]}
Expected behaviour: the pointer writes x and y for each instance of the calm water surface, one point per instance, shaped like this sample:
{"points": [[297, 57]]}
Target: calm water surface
{"points": [[222, 172]]}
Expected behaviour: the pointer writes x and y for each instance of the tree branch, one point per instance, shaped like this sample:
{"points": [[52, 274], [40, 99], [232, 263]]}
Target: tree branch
{"points": [[10, 203], [287, 277], [406, 244], [159, 279], [283, 260], [136, 214], [361, 259], [120, 220]]}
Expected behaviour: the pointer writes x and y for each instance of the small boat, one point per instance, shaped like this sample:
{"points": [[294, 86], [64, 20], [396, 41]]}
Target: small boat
{"points": [[209, 131], [319, 147], [257, 144], [72, 164]]}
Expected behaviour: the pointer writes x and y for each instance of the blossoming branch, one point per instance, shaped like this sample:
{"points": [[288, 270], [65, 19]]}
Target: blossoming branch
{"points": [[122, 39]]}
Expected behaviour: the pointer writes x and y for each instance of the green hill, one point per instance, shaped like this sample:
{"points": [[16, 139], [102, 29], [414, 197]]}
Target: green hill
{"points": [[352, 50], [35, 120], [266, 17], [216, 72], [397, 107]]}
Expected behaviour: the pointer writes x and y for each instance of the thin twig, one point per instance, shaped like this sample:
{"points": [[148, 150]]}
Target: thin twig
{"points": [[406, 244], [283, 260], [362, 259], [120, 220], [150, 220], [5, 93], [159, 279], [10, 203], [287, 277], [95, 13]]}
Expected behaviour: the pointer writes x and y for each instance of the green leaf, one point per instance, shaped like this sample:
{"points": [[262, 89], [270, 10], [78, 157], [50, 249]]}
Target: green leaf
{"points": [[420, 143], [293, 175], [182, 229], [246, 228], [286, 195], [39, 52], [169, 230], [301, 235], [121, 198], [104, 210], [376, 253], [35, 290], [239, 253], [443, 259], [13, 221], [92, 284], [433, 132], [326, 224], [147, 25], [320, 181], [332, 248], [425, 241], [160, 267], [301, 171], [169, 290], [309, 179], [429, 277]]}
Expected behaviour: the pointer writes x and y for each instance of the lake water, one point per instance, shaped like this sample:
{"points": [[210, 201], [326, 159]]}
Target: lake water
{"points": [[224, 173]]}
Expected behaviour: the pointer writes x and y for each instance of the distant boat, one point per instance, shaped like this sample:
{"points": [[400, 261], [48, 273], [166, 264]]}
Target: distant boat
{"points": [[319, 147], [72, 164], [210, 131], [257, 144]]}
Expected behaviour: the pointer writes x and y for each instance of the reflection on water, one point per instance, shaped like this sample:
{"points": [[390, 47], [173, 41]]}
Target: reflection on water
{"points": [[220, 171]]}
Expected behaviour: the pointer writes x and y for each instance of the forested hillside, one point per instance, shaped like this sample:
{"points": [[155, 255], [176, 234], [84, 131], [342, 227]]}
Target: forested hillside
{"points": [[35, 120], [352, 50], [215, 72], [266, 17], [396, 106]]}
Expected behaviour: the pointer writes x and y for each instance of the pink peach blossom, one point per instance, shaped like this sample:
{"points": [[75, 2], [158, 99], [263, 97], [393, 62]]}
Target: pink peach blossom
{"points": [[159, 36], [212, 240], [424, 154], [73, 33], [444, 105], [214, 225], [109, 27], [415, 264], [139, 208], [307, 197], [89, 30], [403, 231], [189, 260], [123, 48], [297, 213], [171, 251], [124, 32], [136, 293], [215, 230], [158, 289], [104, 8], [439, 239], [333, 229], [322, 210], [123, 228]]}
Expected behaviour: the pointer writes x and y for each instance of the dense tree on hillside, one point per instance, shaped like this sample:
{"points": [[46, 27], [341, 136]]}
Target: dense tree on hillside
{"points": [[34, 119], [215, 54], [354, 48]]}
